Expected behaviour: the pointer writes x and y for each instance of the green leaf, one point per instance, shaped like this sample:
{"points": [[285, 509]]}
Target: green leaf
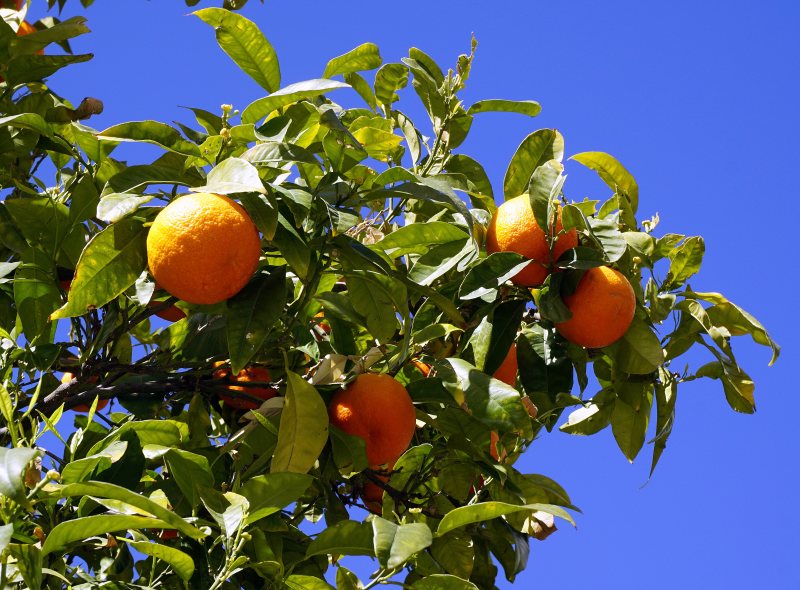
{"points": [[166, 518], [303, 429], [252, 314], [639, 351], [166, 433], [490, 510], [34, 68], [153, 132], [363, 88], [29, 563], [228, 510], [347, 537], [443, 582], [483, 195], [536, 149], [363, 57], [388, 80], [613, 174], [396, 544], [13, 463], [259, 109], [191, 472], [737, 385], [8, 529], [273, 153], [245, 44], [606, 232], [36, 294], [77, 471], [110, 263], [666, 390], [490, 274], [736, 320], [30, 121], [685, 260], [233, 175], [371, 296], [115, 206], [301, 582], [79, 529], [592, 418], [181, 563], [497, 405], [523, 107], [545, 370], [418, 238], [272, 492], [46, 224], [629, 420]]}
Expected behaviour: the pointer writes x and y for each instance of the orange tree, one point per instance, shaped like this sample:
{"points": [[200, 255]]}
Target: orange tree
{"points": [[221, 445]]}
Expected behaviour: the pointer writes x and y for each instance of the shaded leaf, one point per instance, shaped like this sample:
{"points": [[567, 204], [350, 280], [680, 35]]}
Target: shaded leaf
{"points": [[536, 149]]}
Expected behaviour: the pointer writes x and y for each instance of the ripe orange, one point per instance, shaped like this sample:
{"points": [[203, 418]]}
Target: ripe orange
{"points": [[203, 248], [513, 228], [102, 403], [246, 375], [602, 308], [507, 371], [372, 494], [171, 313], [378, 409]]}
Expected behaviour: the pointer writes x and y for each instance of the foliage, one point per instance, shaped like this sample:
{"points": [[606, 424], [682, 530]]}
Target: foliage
{"points": [[372, 219]]}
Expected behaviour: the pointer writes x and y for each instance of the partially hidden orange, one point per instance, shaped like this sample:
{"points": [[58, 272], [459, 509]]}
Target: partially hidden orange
{"points": [[101, 403], [513, 228], [203, 248], [507, 371], [378, 409], [602, 307], [246, 375]]}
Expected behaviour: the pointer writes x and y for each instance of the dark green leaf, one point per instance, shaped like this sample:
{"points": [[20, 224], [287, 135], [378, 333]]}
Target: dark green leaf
{"points": [[639, 351], [110, 263], [252, 314], [153, 132], [488, 510], [181, 563], [348, 537], [490, 273], [629, 420], [536, 149], [36, 294], [191, 472]]}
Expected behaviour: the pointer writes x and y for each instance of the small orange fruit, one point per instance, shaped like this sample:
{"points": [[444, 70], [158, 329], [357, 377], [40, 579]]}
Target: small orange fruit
{"points": [[602, 307], [378, 409], [423, 368], [246, 375], [102, 403], [171, 313], [203, 248], [507, 371], [513, 228]]}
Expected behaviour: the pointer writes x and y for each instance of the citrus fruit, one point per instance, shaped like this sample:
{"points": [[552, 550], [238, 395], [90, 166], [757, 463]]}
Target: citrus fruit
{"points": [[507, 371], [378, 409], [203, 248], [101, 403], [602, 308], [171, 313], [372, 494], [513, 228], [246, 375]]}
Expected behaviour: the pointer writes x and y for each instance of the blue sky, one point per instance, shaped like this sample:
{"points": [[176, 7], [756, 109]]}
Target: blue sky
{"points": [[700, 104]]}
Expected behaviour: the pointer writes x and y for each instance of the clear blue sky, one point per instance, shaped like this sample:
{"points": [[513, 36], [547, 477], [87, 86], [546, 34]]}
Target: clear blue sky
{"points": [[699, 100]]}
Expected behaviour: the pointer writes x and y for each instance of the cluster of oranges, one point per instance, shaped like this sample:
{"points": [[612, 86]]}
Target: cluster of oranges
{"points": [[603, 303], [203, 248]]}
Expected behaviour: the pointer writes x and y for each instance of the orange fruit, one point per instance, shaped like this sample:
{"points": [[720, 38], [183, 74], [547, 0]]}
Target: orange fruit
{"points": [[102, 403], [513, 228], [378, 409], [203, 248], [507, 371], [372, 494], [171, 313], [423, 368], [602, 308], [246, 375]]}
